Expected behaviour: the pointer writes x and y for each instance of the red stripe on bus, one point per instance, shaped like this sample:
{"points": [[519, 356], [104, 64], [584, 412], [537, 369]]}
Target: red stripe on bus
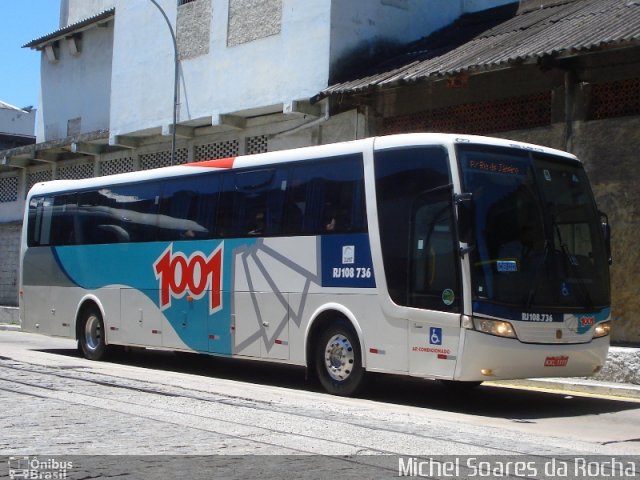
{"points": [[217, 163]]}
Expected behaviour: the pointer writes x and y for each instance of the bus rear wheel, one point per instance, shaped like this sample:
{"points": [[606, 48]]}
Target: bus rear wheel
{"points": [[338, 360], [91, 338]]}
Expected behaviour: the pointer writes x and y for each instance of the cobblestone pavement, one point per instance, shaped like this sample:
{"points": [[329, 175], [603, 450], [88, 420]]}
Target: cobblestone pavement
{"points": [[54, 403]]}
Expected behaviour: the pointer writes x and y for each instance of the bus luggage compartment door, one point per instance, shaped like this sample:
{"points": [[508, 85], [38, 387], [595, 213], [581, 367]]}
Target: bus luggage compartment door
{"points": [[141, 320], [261, 324]]}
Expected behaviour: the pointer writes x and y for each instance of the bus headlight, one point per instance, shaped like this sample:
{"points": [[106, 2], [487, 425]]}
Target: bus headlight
{"points": [[499, 328], [602, 330]]}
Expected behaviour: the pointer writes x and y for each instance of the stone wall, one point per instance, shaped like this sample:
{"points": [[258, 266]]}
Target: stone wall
{"points": [[622, 366]]}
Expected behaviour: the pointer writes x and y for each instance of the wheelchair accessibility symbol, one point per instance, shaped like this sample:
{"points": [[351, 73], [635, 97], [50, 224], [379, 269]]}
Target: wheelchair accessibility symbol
{"points": [[435, 336]]}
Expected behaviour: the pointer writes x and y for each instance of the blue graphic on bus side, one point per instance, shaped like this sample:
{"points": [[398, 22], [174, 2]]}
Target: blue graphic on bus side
{"points": [[172, 277], [346, 261]]}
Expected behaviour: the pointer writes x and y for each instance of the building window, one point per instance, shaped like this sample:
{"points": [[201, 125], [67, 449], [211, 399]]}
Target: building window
{"points": [[182, 2], [72, 171], [74, 126], [37, 176], [213, 151], [116, 165], [251, 20], [258, 144], [8, 189], [193, 28], [163, 159]]}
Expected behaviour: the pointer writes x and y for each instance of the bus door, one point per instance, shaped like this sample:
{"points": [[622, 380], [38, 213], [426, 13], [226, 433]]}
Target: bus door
{"points": [[433, 286]]}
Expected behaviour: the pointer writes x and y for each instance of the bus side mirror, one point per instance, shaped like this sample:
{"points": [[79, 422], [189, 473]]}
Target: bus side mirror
{"points": [[466, 218], [606, 234]]}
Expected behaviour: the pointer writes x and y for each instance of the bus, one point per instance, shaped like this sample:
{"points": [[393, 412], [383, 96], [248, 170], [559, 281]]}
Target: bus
{"points": [[449, 257]]}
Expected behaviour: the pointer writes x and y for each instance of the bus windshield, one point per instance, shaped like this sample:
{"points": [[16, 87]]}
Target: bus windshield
{"points": [[539, 244]]}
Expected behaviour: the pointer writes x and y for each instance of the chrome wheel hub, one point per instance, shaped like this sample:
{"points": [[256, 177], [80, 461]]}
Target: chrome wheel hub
{"points": [[92, 333], [339, 357]]}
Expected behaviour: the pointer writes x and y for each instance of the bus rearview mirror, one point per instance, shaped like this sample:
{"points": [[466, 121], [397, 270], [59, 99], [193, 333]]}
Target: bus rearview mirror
{"points": [[606, 233], [466, 218]]}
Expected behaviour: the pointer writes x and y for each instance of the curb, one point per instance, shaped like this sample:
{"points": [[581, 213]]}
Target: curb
{"points": [[574, 385], [11, 327]]}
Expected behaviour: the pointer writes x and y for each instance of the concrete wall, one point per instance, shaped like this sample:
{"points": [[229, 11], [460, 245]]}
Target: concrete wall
{"points": [[72, 11], [17, 121], [75, 90], [10, 241], [608, 149], [290, 46], [290, 64]]}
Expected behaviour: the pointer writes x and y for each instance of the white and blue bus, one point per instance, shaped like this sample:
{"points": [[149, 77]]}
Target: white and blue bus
{"points": [[449, 257]]}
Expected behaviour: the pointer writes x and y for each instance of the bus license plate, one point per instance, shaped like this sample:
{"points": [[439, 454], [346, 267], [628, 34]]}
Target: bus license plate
{"points": [[556, 361]]}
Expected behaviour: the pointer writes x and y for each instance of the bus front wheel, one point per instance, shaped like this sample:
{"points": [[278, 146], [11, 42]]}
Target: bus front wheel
{"points": [[91, 341], [338, 360]]}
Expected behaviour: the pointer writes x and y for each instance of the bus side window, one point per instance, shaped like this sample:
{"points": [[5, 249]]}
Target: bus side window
{"points": [[118, 214], [326, 197], [253, 202], [134, 209], [63, 221], [92, 214], [53, 220], [188, 208], [35, 222]]}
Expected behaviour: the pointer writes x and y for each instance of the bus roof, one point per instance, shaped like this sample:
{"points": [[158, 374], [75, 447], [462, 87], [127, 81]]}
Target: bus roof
{"points": [[284, 156]]}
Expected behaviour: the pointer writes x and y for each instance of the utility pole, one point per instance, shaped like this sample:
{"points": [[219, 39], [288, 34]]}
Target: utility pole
{"points": [[175, 82]]}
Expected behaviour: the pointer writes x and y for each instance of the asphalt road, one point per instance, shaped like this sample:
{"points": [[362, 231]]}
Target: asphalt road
{"points": [[153, 403]]}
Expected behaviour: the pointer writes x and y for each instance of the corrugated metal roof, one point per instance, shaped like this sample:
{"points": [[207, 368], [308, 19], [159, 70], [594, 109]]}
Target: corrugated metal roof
{"points": [[70, 29], [560, 30]]}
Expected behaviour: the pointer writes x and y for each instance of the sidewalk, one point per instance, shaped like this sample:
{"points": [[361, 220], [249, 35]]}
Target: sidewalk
{"points": [[620, 376]]}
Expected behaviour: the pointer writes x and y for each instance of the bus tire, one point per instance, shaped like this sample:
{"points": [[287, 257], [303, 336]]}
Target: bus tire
{"points": [[91, 336], [338, 360]]}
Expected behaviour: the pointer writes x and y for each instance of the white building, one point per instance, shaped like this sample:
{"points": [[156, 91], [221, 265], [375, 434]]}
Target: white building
{"points": [[16, 122], [248, 73]]}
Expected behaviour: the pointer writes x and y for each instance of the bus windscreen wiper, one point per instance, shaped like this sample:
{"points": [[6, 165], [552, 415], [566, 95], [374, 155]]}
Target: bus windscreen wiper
{"points": [[571, 264]]}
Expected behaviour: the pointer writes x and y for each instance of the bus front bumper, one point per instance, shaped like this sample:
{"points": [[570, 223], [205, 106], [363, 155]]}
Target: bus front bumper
{"points": [[487, 357]]}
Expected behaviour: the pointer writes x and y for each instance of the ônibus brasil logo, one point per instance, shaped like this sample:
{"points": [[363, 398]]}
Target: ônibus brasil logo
{"points": [[195, 275]]}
